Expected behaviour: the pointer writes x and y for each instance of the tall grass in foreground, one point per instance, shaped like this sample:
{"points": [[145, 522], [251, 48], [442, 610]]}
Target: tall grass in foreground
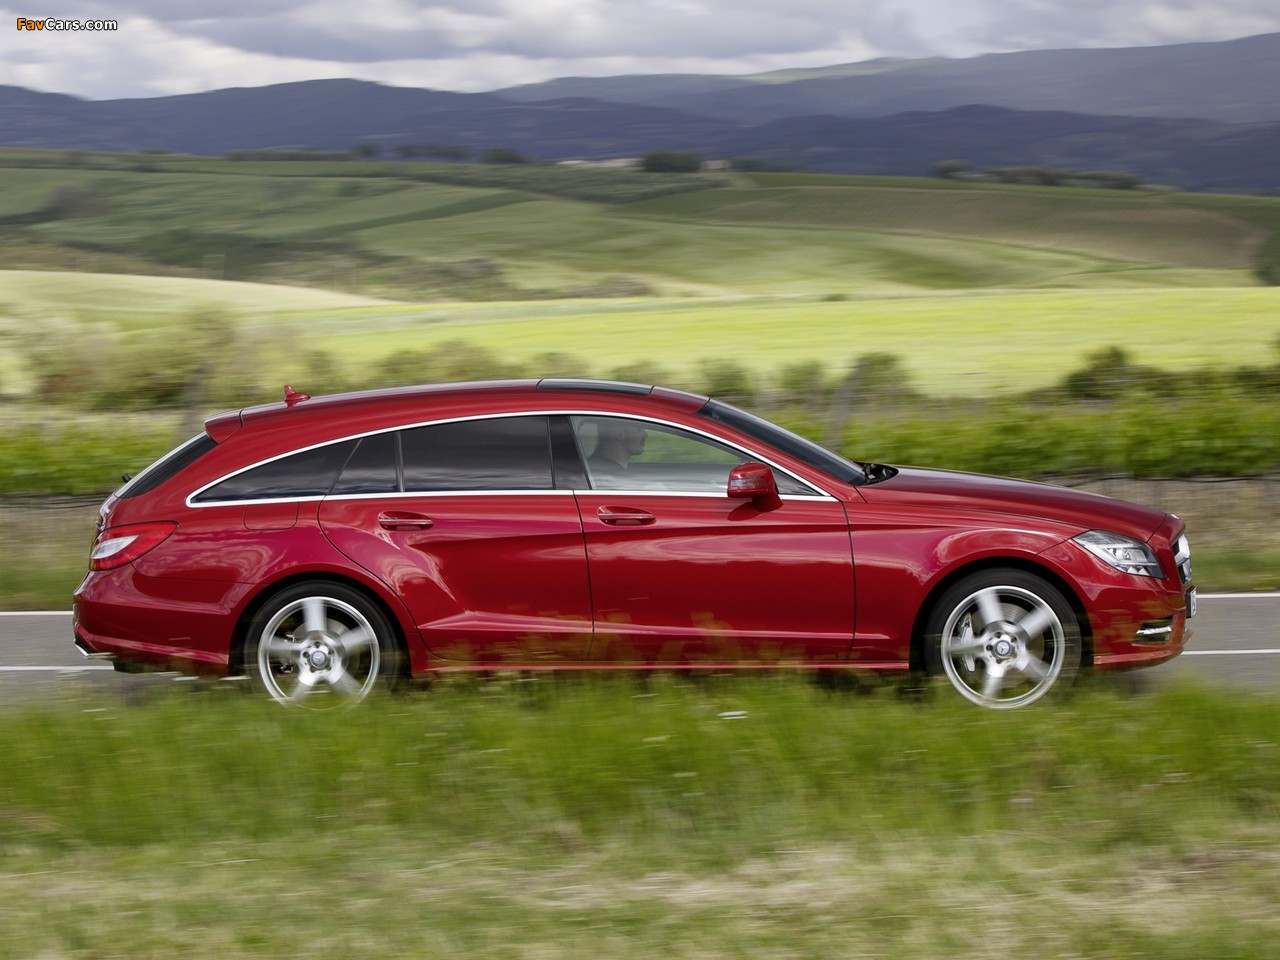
{"points": [[754, 816], [726, 766]]}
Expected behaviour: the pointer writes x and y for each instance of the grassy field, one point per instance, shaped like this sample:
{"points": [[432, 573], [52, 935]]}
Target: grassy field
{"points": [[1106, 224], [767, 270], [760, 235], [733, 817], [980, 343]]}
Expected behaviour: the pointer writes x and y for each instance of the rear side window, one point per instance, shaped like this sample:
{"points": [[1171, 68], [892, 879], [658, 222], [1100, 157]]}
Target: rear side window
{"points": [[309, 473], [170, 465], [503, 453]]}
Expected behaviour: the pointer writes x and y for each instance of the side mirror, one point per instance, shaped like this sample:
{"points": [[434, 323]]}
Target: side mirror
{"points": [[752, 481]]}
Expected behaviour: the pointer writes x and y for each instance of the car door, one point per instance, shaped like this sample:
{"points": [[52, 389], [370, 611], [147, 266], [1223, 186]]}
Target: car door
{"points": [[462, 520], [680, 571]]}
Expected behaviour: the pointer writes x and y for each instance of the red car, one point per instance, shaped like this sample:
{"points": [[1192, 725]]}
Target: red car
{"points": [[327, 547]]}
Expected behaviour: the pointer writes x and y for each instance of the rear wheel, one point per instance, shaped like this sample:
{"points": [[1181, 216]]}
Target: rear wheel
{"points": [[321, 645], [1003, 639]]}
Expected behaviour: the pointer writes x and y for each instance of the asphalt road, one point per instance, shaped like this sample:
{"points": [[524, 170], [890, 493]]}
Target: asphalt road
{"points": [[1236, 641]]}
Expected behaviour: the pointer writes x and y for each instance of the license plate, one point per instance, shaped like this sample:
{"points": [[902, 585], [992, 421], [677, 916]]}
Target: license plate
{"points": [[1191, 603]]}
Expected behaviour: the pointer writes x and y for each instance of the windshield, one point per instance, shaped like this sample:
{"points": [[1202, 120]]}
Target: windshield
{"points": [[806, 451]]}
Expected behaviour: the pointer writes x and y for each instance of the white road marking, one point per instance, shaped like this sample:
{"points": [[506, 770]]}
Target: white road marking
{"points": [[1239, 596], [80, 669], [1225, 653]]}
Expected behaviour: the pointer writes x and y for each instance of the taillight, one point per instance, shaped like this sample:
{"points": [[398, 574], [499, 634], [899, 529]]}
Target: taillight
{"points": [[117, 546]]}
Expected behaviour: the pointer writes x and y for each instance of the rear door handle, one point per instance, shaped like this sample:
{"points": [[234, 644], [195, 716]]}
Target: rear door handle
{"points": [[403, 520], [624, 516]]}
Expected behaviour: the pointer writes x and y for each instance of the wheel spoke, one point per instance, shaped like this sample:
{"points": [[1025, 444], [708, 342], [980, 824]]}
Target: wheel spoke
{"points": [[355, 640], [990, 607], [306, 683], [1036, 622], [283, 648], [313, 609], [1033, 667], [965, 646], [344, 682], [993, 683]]}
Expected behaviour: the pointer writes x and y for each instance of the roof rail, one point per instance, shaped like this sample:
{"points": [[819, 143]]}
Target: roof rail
{"points": [[601, 386]]}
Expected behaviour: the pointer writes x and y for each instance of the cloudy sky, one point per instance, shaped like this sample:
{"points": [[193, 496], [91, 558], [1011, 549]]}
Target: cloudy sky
{"points": [[165, 47]]}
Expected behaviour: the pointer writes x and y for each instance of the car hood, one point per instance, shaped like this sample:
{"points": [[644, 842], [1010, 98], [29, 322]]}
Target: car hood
{"points": [[947, 489]]}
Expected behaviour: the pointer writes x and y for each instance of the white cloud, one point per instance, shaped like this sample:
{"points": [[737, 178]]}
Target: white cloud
{"points": [[1039, 24]]}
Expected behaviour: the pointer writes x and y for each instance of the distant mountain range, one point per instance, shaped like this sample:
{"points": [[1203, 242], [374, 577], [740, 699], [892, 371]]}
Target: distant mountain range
{"points": [[1202, 116], [1235, 81]]}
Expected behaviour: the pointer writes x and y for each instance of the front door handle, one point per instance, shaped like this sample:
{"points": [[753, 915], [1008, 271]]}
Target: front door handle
{"points": [[403, 520], [624, 516]]}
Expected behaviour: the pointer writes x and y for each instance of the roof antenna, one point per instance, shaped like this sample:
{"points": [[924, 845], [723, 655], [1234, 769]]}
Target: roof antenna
{"points": [[292, 397]]}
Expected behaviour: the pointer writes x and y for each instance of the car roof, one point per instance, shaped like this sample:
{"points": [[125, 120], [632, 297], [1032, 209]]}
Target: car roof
{"points": [[299, 408]]}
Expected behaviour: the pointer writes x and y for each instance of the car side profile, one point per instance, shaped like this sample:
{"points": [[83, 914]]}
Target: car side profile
{"points": [[326, 547]]}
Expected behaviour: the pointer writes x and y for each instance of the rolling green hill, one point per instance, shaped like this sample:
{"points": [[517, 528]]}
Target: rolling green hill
{"points": [[766, 270], [399, 236]]}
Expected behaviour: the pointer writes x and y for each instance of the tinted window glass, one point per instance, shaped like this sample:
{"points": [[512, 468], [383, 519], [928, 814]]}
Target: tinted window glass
{"points": [[505, 453], [170, 465], [371, 469], [306, 474], [625, 454]]}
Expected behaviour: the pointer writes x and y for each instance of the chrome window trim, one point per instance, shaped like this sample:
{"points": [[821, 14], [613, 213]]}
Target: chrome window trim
{"points": [[820, 494]]}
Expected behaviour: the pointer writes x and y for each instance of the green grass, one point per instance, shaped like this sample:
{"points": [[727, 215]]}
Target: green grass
{"points": [[978, 344], [1107, 224], [125, 298], [737, 817], [769, 234], [552, 242]]}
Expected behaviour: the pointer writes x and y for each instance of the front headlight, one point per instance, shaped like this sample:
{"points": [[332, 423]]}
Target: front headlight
{"points": [[1123, 553]]}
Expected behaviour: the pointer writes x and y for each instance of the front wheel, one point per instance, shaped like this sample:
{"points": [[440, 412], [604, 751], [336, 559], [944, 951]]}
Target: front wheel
{"points": [[321, 645], [1003, 639]]}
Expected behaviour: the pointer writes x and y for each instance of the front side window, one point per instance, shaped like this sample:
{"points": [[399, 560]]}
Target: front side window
{"points": [[626, 454], [803, 449], [309, 473], [502, 453]]}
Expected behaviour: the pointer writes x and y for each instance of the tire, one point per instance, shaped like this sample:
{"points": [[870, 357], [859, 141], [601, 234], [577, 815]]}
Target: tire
{"points": [[1003, 639], [321, 645]]}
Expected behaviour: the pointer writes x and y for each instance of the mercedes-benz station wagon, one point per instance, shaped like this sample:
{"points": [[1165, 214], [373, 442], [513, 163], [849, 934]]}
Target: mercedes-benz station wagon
{"points": [[327, 547]]}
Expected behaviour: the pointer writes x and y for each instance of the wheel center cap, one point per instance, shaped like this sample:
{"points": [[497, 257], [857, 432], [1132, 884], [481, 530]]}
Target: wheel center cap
{"points": [[1003, 648], [318, 659]]}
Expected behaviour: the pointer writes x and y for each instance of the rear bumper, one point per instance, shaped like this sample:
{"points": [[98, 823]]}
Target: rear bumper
{"points": [[122, 617]]}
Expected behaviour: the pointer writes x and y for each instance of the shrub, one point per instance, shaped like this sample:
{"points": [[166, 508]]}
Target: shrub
{"points": [[671, 161]]}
